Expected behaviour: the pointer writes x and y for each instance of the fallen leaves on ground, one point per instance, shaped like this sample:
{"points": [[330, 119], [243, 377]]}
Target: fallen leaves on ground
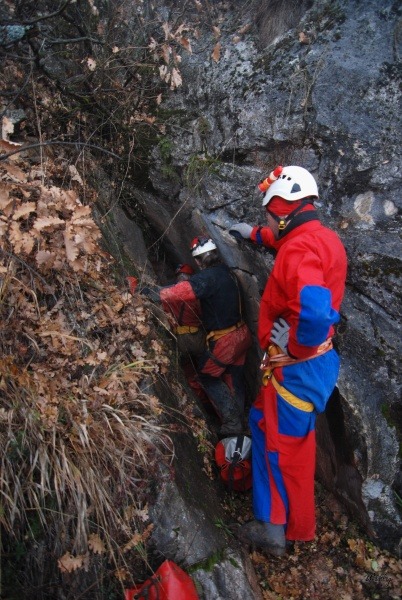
{"points": [[340, 564]]}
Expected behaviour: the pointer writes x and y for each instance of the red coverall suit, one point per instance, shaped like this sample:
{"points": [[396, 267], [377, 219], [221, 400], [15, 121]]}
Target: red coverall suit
{"points": [[221, 366], [185, 320], [305, 288], [182, 314]]}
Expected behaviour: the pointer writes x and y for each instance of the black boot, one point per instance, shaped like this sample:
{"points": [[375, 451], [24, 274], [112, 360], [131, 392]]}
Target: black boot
{"points": [[230, 427], [225, 404], [265, 536]]}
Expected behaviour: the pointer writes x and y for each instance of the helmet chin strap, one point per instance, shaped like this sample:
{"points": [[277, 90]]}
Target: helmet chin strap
{"points": [[284, 222]]}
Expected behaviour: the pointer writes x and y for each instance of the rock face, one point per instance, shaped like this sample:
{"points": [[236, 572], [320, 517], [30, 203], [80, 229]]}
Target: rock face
{"points": [[323, 94], [185, 514]]}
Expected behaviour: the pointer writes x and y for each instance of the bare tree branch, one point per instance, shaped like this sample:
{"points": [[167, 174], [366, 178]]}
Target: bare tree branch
{"points": [[55, 143], [49, 16], [73, 41]]}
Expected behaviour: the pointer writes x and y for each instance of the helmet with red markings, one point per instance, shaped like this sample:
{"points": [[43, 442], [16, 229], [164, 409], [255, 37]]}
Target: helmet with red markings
{"points": [[200, 245], [294, 183]]}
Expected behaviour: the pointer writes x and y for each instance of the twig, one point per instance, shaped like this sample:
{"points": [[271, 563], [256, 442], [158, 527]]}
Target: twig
{"points": [[72, 41], [65, 335], [12, 255], [55, 143], [38, 124], [48, 16], [123, 180]]}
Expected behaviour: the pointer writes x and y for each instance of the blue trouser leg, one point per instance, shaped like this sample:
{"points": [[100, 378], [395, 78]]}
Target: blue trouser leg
{"points": [[261, 487]]}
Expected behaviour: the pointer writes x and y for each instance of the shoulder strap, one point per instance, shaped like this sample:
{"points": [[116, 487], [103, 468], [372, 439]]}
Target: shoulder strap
{"points": [[299, 219]]}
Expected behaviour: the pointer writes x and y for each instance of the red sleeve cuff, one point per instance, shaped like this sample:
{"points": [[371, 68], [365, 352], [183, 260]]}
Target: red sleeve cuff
{"points": [[263, 236]]}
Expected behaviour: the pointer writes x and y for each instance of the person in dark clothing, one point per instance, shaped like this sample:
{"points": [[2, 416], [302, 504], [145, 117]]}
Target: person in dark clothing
{"points": [[220, 366]]}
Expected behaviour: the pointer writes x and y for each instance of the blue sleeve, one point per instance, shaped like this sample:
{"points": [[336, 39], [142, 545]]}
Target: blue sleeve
{"points": [[316, 315]]}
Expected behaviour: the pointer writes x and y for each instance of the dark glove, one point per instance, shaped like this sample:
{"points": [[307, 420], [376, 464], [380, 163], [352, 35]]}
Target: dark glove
{"points": [[151, 293], [280, 334], [241, 231]]}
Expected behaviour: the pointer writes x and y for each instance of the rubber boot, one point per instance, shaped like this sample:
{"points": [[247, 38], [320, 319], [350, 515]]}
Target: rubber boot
{"points": [[225, 405], [230, 427], [265, 536]]}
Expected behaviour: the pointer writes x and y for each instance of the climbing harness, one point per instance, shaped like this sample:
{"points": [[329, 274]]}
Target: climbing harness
{"points": [[275, 358], [218, 333], [181, 329], [291, 398]]}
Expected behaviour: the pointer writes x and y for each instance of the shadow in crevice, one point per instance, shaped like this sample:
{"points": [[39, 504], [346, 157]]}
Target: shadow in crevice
{"points": [[336, 465]]}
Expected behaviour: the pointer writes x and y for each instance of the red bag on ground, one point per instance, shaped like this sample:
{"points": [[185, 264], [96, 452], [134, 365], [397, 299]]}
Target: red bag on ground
{"points": [[169, 582], [232, 455]]}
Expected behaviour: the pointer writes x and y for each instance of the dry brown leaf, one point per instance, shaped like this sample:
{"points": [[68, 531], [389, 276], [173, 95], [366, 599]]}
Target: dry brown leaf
{"points": [[75, 176], [45, 222], [71, 247], [142, 329], [14, 172], [216, 53], [155, 405], [45, 258], [5, 201], [24, 209], [95, 544], [166, 52], [27, 243], [166, 29], [244, 29], [179, 30], [3, 226], [15, 235], [176, 79], [7, 128], [101, 391], [135, 540], [122, 574], [9, 146], [152, 44], [164, 73], [68, 563], [142, 513], [91, 64], [185, 42]]}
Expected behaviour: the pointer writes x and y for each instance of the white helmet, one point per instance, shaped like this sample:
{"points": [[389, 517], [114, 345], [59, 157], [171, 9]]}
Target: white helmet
{"points": [[294, 183], [200, 245]]}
